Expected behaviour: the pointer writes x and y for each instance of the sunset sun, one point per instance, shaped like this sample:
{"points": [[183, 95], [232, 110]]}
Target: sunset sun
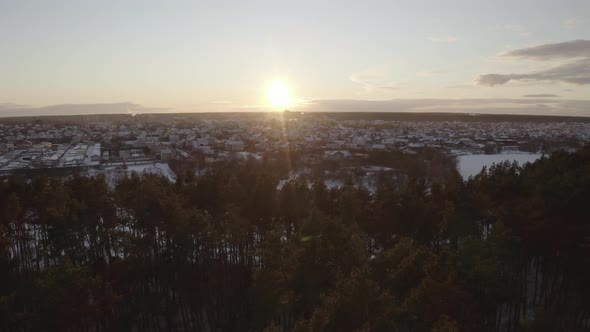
{"points": [[278, 94]]}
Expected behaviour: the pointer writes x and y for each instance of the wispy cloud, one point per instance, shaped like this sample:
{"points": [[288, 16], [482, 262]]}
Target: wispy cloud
{"points": [[542, 95], [460, 86], [576, 71], [374, 79], [489, 106], [572, 23], [443, 39], [13, 106], [9, 110], [569, 49], [428, 73], [515, 29]]}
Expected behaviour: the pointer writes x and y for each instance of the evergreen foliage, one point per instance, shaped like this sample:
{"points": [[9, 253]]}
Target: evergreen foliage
{"points": [[507, 250]]}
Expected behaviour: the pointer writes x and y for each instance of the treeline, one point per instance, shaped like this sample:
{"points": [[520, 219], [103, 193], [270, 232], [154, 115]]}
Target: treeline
{"points": [[507, 250]]}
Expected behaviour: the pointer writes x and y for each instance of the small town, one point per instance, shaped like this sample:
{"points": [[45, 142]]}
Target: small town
{"points": [[149, 143]]}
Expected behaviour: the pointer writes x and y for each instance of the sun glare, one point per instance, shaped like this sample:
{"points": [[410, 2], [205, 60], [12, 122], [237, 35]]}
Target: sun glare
{"points": [[278, 94]]}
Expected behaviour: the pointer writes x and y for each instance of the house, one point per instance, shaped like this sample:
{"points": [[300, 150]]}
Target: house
{"points": [[152, 138], [6, 147], [378, 147], [93, 152], [131, 153], [25, 144], [235, 146], [173, 138], [204, 141], [262, 146], [337, 154], [416, 145], [359, 141], [184, 154], [205, 149], [165, 154]]}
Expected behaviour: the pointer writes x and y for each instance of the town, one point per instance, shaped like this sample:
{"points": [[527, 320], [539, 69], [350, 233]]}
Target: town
{"points": [[121, 144]]}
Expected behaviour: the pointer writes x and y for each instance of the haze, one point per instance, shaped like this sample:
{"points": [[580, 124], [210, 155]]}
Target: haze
{"points": [[528, 57]]}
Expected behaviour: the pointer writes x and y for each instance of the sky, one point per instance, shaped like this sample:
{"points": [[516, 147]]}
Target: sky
{"points": [[222, 55]]}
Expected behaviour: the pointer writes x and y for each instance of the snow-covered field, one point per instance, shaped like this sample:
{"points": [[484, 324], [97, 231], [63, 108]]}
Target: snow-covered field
{"points": [[470, 165], [155, 168], [367, 182], [330, 183], [113, 173]]}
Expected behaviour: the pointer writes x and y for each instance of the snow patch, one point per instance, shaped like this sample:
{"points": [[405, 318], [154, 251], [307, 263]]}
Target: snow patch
{"points": [[471, 165]]}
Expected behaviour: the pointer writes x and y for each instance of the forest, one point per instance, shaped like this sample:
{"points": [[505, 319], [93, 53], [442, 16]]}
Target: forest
{"points": [[506, 250]]}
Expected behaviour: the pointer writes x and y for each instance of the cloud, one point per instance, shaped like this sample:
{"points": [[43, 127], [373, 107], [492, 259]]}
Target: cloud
{"points": [[514, 29], [12, 110], [374, 79], [443, 39], [572, 23], [493, 79], [13, 106], [576, 71], [542, 95], [569, 49], [428, 73], [460, 86], [538, 106]]}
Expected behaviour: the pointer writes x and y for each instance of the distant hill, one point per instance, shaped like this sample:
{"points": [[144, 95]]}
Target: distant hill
{"points": [[339, 116]]}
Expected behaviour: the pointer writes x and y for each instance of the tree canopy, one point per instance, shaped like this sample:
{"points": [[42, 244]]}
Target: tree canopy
{"points": [[506, 250]]}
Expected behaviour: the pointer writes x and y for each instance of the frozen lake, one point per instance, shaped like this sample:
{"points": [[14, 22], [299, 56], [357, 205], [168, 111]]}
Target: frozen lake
{"points": [[469, 165]]}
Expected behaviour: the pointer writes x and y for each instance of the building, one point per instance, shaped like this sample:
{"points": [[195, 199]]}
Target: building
{"points": [[165, 154], [234, 146], [131, 153], [93, 152]]}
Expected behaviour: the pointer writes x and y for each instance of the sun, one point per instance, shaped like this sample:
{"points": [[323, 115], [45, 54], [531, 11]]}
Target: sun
{"points": [[278, 94]]}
